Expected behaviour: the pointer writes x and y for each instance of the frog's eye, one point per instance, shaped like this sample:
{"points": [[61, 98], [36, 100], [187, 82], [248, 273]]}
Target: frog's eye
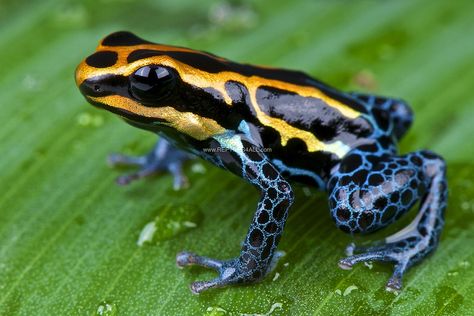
{"points": [[151, 83]]}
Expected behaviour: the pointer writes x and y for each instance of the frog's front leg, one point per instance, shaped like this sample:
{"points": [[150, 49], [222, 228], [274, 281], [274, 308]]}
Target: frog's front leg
{"points": [[369, 192], [163, 157], [260, 244]]}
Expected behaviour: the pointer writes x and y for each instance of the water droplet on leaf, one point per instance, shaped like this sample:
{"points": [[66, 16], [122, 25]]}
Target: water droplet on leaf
{"points": [[106, 309], [171, 221]]}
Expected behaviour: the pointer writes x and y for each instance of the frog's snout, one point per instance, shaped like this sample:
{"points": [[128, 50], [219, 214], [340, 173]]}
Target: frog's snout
{"points": [[104, 85], [91, 87]]}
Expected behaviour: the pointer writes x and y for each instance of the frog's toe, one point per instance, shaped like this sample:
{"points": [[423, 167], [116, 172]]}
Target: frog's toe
{"points": [[229, 272], [185, 258], [115, 160], [394, 284], [146, 171], [349, 262], [126, 179], [147, 167], [180, 181]]}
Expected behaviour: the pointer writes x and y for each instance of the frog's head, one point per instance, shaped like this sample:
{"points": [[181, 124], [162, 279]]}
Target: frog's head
{"points": [[150, 85]]}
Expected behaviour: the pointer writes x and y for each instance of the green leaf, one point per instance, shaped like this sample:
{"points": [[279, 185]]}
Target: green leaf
{"points": [[74, 243]]}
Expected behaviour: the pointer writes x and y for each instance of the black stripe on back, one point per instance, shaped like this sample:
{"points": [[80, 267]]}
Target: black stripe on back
{"points": [[310, 114]]}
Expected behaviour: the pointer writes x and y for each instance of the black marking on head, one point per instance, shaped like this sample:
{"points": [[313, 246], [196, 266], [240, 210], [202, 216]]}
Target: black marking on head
{"points": [[143, 53], [123, 38], [200, 60], [102, 59]]}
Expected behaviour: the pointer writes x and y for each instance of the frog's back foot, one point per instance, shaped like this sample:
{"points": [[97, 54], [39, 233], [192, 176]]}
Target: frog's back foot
{"points": [[163, 157], [400, 113]]}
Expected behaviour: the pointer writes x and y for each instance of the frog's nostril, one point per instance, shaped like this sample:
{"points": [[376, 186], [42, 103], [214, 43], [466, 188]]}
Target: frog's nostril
{"points": [[92, 88]]}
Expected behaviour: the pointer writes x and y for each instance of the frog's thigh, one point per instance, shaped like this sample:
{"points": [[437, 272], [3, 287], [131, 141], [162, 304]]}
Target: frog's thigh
{"points": [[370, 192]]}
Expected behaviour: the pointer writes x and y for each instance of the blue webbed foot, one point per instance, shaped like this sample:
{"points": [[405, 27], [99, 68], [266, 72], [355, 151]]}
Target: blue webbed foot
{"points": [[163, 157]]}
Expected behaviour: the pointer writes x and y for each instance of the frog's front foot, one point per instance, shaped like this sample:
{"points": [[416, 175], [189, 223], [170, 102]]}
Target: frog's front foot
{"points": [[163, 157], [402, 252], [230, 271]]}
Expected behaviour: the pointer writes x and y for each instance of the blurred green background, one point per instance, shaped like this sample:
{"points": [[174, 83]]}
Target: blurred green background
{"points": [[70, 238]]}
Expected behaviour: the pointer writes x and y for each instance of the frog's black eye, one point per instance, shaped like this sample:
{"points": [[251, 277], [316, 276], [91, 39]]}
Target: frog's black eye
{"points": [[151, 83]]}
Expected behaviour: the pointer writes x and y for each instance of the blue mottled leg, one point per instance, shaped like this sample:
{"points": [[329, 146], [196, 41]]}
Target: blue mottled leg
{"points": [[258, 251], [163, 157], [369, 192]]}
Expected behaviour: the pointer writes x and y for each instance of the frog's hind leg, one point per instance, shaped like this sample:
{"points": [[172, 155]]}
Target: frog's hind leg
{"points": [[400, 113], [368, 193], [163, 157]]}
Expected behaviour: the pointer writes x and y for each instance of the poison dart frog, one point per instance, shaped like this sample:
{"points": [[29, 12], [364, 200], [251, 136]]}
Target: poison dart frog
{"points": [[272, 127]]}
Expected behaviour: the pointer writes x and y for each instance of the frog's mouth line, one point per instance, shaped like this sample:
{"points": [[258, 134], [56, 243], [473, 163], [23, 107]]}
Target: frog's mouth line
{"points": [[127, 115]]}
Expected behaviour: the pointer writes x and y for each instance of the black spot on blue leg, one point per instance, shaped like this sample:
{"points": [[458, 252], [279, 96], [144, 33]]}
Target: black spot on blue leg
{"points": [[352, 162], [343, 214], [365, 220], [255, 238], [376, 179]]}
